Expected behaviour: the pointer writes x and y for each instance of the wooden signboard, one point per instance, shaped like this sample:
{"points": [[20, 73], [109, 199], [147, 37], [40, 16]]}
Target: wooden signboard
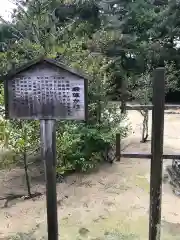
{"points": [[46, 90]]}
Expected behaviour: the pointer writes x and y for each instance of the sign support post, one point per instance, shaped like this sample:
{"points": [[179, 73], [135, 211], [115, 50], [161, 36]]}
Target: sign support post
{"points": [[48, 135]]}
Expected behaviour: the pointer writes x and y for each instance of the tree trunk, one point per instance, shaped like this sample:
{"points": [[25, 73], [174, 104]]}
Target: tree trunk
{"points": [[145, 115], [25, 162]]}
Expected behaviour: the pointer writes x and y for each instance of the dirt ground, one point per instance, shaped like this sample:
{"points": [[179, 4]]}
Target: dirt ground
{"points": [[113, 200]]}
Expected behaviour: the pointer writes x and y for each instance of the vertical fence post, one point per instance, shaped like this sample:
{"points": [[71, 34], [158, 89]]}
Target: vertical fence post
{"points": [[157, 153], [118, 147]]}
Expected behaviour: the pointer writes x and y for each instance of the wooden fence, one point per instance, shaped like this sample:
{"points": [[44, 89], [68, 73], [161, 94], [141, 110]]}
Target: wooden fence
{"points": [[158, 106]]}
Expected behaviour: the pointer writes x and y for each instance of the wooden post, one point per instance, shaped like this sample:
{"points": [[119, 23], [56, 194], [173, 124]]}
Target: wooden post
{"points": [[118, 147], [123, 95], [157, 154], [48, 134]]}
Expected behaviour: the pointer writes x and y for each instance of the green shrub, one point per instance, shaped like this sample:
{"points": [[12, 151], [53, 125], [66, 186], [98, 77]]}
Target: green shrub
{"points": [[81, 147]]}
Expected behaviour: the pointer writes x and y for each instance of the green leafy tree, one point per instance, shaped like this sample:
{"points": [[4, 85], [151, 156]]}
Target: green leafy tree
{"points": [[138, 36]]}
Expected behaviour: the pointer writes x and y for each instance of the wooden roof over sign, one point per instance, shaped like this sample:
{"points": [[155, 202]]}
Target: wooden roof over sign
{"points": [[52, 62]]}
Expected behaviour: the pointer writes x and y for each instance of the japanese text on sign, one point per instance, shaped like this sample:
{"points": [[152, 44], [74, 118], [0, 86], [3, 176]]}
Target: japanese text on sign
{"points": [[52, 96]]}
